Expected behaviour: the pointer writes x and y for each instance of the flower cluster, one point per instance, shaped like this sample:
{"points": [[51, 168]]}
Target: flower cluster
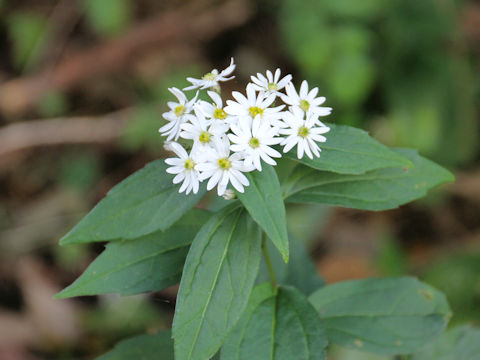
{"points": [[227, 140]]}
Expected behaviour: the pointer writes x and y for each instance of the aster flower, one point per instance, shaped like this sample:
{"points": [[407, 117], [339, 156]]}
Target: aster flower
{"points": [[222, 168], [177, 114], [254, 105], [212, 78], [201, 130], [254, 138], [305, 100], [230, 139], [270, 84], [303, 133], [213, 111], [183, 166]]}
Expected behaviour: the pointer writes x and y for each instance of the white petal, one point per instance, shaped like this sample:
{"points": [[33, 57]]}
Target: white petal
{"points": [[179, 150], [240, 177], [214, 179], [300, 149], [304, 89], [306, 147], [178, 178]]}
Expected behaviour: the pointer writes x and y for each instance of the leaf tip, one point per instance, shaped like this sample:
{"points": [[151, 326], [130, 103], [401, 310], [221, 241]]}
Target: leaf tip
{"points": [[449, 176], [65, 240], [61, 295], [69, 238]]}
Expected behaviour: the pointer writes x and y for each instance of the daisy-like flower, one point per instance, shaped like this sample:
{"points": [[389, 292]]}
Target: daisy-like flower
{"points": [[303, 133], [221, 168], [183, 166], [270, 84], [254, 138], [213, 111], [305, 99], [201, 130], [254, 105], [212, 78], [177, 114]]}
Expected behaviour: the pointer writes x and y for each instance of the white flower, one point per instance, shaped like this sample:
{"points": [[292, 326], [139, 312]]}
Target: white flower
{"points": [[212, 78], [254, 105], [305, 100], [213, 111], [221, 168], [201, 130], [270, 84], [184, 168], [303, 133], [176, 115], [254, 138]]}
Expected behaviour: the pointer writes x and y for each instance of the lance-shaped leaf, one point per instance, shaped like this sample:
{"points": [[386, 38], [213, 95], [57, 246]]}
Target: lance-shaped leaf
{"points": [[217, 280], [149, 263], [143, 203], [376, 190], [142, 347], [349, 150], [263, 200], [385, 316], [279, 324], [461, 343]]}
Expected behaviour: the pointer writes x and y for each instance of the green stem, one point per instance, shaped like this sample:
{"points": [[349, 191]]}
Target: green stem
{"points": [[268, 261]]}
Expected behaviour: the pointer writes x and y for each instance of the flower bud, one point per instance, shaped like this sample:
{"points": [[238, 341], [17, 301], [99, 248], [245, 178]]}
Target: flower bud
{"points": [[229, 194]]}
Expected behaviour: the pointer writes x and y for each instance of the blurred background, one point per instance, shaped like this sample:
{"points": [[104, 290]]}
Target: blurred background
{"points": [[83, 84]]}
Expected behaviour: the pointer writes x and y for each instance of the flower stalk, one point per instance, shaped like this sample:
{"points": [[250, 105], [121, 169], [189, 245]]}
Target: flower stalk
{"points": [[268, 261]]}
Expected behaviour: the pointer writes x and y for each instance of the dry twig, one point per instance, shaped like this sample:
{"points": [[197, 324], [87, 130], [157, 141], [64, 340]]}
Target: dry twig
{"points": [[58, 131], [185, 25]]}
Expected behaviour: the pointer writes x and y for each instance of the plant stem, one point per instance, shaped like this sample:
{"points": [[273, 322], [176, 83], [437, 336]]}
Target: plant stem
{"points": [[268, 261]]}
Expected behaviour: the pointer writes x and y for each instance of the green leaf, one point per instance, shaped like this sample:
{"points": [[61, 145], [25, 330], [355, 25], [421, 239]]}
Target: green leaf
{"points": [[27, 33], [108, 17], [263, 200], [217, 280], [278, 324], [143, 203], [461, 343], [252, 337], [349, 150], [150, 263], [376, 190], [301, 272], [53, 104], [142, 347], [385, 316]]}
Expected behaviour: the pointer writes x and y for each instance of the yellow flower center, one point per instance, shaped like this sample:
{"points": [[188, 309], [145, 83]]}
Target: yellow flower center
{"points": [[303, 132], [189, 164], [272, 86], [209, 77], [204, 137], [254, 111], [219, 114], [224, 163], [304, 105], [179, 110], [254, 143]]}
